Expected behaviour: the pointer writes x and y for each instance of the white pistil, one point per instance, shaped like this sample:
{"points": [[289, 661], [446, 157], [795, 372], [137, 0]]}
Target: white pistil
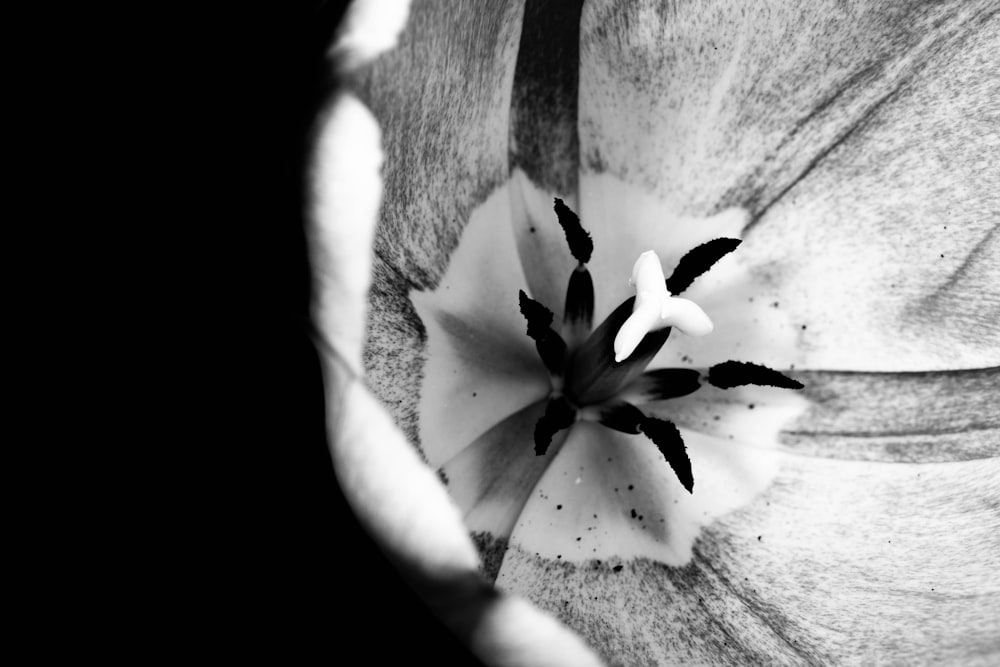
{"points": [[655, 309]]}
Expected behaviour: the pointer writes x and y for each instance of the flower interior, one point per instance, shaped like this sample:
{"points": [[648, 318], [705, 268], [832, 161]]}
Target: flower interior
{"points": [[592, 380]]}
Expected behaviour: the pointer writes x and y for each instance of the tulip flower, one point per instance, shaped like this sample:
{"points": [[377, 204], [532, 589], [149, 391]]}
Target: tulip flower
{"points": [[796, 461]]}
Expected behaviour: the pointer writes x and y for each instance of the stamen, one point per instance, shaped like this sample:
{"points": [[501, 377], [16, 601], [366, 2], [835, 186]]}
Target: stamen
{"points": [[668, 440], [580, 243], [656, 309], [559, 414], [662, 384], [578, 316], [550, 345], [730, 374], [623, 417], [538, 316], [579, 313], [699, 260]]}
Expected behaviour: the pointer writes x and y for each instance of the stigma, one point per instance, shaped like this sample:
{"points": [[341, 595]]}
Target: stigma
{"points": [[656, 309]]}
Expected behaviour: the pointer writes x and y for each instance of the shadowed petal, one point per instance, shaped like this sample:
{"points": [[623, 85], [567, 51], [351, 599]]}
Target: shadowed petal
{"points": [[490, 480]]}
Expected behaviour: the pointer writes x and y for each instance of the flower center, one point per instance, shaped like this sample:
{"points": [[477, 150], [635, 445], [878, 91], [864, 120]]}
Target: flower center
{"points": [[599, 375]]}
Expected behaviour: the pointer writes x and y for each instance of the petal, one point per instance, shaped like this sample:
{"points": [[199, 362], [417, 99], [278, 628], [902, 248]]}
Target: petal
{"points": [[830, 554], [479, 366], [396, 497], [369, 28], [444, 106], [853, 147], [491, 479], [814, 571], [642, 509], [346, 191]]}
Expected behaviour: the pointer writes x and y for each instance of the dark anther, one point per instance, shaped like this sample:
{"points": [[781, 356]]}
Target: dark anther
{"points": [[559, 414], [730, 374], [538, 316], [697, 261], [580, 243], [550, 345], [623, 417], [668, 440]]}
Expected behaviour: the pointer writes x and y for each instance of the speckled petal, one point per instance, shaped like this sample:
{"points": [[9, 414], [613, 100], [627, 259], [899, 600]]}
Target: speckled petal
{"points": [[814, 571], [867, 542], [642, 509], [853, 147]]}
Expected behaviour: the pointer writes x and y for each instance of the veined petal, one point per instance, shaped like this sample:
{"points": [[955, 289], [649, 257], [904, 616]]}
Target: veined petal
{"points": [[443, 159], [828, 548], [814, 570], [857, 142]]}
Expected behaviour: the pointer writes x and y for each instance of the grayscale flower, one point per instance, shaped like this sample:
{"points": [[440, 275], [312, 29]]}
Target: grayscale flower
{"points": [[852, 149]]}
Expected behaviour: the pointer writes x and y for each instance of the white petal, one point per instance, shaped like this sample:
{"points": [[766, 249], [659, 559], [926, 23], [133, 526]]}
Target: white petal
{"points": [[369, 27], [396, 496], [480, 364], [346, 192]]}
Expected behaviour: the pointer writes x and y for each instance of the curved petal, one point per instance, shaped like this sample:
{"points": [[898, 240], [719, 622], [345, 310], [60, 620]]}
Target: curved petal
{"points": [[853, 145], [480, 364], [491, 479], [869, 519], [611, 496], [814, 571]]}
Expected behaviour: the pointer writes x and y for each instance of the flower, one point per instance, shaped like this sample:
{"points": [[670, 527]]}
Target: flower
{"points": [[850, 149]]}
